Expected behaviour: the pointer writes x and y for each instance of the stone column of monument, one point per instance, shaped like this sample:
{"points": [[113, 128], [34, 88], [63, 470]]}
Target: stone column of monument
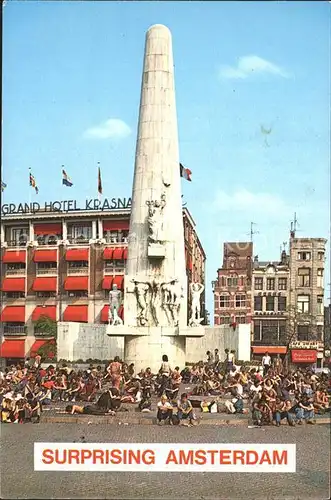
{"points": [[155, 305]]}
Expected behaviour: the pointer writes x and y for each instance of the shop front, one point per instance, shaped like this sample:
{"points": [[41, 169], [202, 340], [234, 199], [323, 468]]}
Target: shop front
{"points": [[307, 354]]}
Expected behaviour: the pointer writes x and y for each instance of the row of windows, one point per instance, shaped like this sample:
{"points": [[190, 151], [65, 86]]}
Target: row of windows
{"points": [[270, 303], [272, 331], [271, 284], [307, 256], [79, 264], [227, 320], [47, 295], [304, 277], [304, 304], [224, 301], [233, 281], [20, 236]]}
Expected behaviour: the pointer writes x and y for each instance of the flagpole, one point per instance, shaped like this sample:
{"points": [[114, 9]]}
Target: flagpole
{"points": [[99, 177], [29, 187]]}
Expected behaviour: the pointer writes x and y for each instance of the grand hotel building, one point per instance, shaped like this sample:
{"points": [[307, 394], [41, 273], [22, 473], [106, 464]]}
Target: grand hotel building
{"points": [[63, 264]]}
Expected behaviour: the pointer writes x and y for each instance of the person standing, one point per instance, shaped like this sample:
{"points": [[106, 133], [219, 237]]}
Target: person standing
{"points": [[266, 363]]}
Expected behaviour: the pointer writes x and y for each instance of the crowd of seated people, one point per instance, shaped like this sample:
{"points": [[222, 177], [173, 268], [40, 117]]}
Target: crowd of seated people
{"points": [[274, 395]]}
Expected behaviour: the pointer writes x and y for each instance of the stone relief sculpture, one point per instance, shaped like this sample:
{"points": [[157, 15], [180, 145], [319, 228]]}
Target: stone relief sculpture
{"points": [[115, 300], [155, 219], [155, 300], [141, 289], [196, 290], [172, 295]]}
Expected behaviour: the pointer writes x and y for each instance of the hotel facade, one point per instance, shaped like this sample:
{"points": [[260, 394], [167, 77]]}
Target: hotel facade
{"points": [[62, 264]]}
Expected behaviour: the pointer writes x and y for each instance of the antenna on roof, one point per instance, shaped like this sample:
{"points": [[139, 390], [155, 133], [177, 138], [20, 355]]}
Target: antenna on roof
{"points": [[294, 225], [252, 232]]}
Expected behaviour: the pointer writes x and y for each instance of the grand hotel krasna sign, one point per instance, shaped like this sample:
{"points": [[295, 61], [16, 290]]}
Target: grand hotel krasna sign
{"points": [[66, 206]]}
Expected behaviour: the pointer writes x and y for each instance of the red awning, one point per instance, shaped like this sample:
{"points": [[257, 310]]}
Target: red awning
{"points": [[116, 225], [13, 314], [125, 254], [45, 256], [48, 311], [119, 281], [50, 228], [107, 282], [108, 253], [104, 313], [271, 349], [76, 283], [13, 285], [46, 284], [74, 254], [304, 356], [12, 349], [14, 256], [37, 345], [76, 313], [118, 253]]}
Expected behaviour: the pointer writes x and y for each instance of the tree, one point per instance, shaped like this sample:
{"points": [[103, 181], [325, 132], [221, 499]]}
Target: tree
{"points": [[48, 327]]}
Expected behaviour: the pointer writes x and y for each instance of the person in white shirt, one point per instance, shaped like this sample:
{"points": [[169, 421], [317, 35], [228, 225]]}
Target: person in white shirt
{"points": [[164, 411], [266, 363]]}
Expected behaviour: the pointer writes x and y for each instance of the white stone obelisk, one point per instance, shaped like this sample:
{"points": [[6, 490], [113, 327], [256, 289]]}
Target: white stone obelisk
{"points": [[155, 305]]}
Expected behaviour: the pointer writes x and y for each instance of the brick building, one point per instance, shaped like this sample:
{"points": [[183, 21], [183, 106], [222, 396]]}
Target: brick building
{"points": [[232, 288], [270, 292], [63, 264]]}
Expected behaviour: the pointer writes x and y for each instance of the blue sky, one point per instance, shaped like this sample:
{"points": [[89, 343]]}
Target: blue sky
{"points": [[71, 90]]}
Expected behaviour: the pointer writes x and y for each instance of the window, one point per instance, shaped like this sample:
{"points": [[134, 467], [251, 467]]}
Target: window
{"points": [[320, 306], [303, 332], [80, 233], [304, 277], [225, 320], [270, 303], [78, 264], [282, 331], [240, 300], [320, 255], [78, 293], [233, 281], [15, 268], [304, 255], [270, 331], [240, 320], [257, 331], [14, 295], [46, 267], [19, 236], [303, 303], [224, 301], [282, 283], [257, 303], [258, 283], [45, 294], [320, 279], [281, 303], [114, 264], [223, 281], [47, 239], [116, 236], [270, 283], [319, 332]]}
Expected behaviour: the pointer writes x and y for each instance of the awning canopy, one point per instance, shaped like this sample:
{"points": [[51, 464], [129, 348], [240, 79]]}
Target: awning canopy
{"points": [[116, 225], [104, 313], [108, 253], [14, 256], [118, 253], [75, 254], [13, 285], [13, 314], [304, 356], [48, 228], [76, 313], [45, 256], [48, 311], [38, 344], [76, 283], [271, 349], [12, 349], [109, 281], [46, 284]]}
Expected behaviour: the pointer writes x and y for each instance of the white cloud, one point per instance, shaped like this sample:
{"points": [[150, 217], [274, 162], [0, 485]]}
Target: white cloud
{"points": [[251, 65], [110, 129], [245, 201]]}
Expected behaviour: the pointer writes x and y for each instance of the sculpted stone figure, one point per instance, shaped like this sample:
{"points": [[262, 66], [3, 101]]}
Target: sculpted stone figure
{"points": [[115, 300], [141, 289], [155, 219], [196, 290], [172, 294]]}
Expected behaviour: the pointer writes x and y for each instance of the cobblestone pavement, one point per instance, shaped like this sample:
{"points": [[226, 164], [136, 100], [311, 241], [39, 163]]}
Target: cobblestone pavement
{"points": [[18, 480]]}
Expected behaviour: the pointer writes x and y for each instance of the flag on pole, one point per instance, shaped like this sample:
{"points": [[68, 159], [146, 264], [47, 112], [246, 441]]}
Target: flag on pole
{"points": [[99, 179], [66, 181], [33, 182], [3, 186], [185, 172]]}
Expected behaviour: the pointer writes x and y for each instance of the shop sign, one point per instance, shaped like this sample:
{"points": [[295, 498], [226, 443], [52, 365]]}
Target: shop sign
{"points": [[304, 356]]}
